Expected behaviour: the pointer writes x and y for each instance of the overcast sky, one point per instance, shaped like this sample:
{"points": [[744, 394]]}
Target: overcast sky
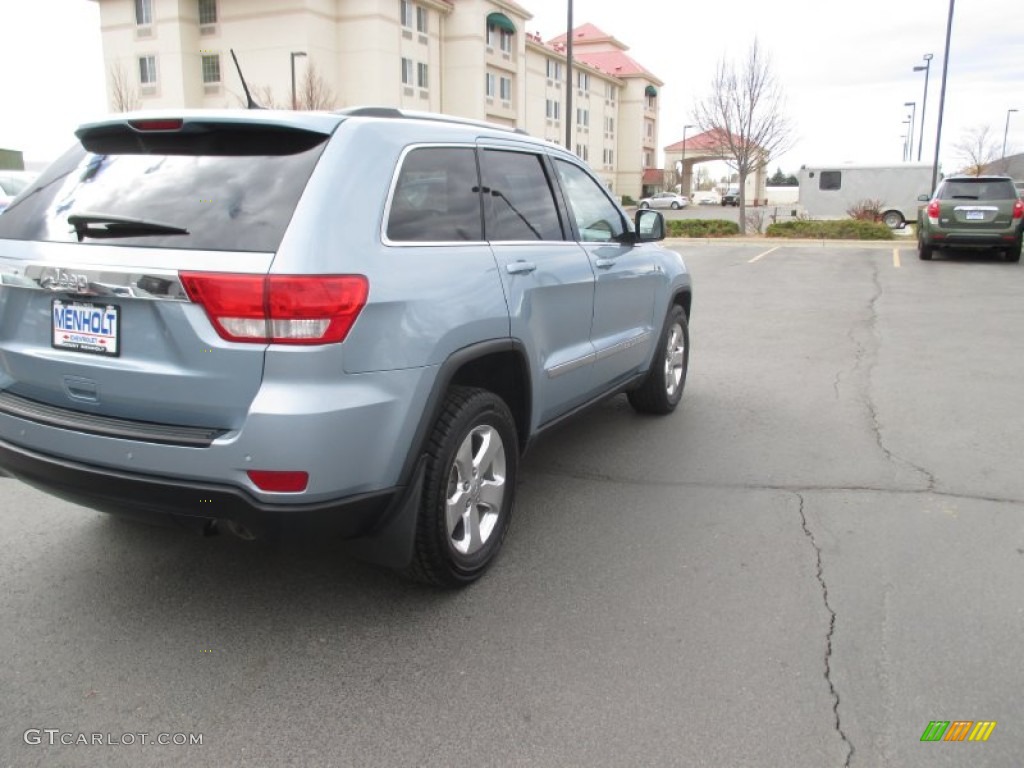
{"points": [[846, 67]]}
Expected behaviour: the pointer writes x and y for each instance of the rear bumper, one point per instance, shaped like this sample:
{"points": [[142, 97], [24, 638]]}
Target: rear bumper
{"points": [[1001, 238], [166, 500]]}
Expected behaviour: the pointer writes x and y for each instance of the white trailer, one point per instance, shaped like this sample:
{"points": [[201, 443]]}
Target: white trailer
{"points": [[830, 191]]}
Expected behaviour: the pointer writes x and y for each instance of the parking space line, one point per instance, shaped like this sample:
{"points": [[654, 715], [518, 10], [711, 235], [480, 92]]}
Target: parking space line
{"points": [[896, 257], [762, 255]]}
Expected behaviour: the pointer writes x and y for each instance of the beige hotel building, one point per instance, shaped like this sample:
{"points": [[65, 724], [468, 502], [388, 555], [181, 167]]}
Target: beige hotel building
{"points": [[471, 58]]}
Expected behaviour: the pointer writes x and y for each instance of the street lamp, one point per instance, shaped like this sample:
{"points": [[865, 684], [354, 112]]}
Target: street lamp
{"points": [[1006, 130], [294, 55], [924, 102], [913, 115], [682, 163]]}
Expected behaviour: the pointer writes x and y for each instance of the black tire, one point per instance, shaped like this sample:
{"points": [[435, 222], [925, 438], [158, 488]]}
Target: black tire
{"points": [[675, 206], [924, 252], [643, 206], [655, 395], [470, 417], [1013, 253]]}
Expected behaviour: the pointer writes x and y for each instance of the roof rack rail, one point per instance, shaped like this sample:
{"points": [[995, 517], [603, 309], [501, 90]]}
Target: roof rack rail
{"points": [[392, 112]]}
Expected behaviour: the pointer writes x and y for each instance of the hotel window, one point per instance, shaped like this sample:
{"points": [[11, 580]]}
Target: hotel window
{"points": [[421, 76], [489, 85], [647, 160], [406, 12], [407, 71], [583, 81], [143, 12], [553, 109], [147, 70], [506, 89], [207, 11], [583, 117], [609, 124], [649, 128], [422, 20], [554, 70], [211, 69], [505, 40]]}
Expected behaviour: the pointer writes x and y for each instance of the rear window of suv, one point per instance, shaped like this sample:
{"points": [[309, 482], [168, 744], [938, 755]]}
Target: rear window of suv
{"points": [[232, 187], [977, 189]]}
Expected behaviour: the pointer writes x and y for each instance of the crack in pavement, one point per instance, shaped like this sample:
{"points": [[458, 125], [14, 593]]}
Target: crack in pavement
{"points": [[868, 399], [820, 574]]}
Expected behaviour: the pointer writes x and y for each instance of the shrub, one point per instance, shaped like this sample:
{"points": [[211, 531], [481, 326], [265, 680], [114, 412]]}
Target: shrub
{"points": [[702, 228], [866, 210], [627, 200], [844, 229]]}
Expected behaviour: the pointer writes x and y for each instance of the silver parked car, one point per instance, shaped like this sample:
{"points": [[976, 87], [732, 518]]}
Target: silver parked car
{"points": [[350, 324], [664, 200]]}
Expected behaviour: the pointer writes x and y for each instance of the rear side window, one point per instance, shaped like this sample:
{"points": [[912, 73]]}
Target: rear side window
{"points": [[980, 189], [436, 199], [230, 187], [518, 199]]}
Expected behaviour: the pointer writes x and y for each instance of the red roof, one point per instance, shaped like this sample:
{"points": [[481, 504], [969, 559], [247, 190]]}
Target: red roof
{"points": [[613, 62], [588, 33], [708, 141], [654, 176]]}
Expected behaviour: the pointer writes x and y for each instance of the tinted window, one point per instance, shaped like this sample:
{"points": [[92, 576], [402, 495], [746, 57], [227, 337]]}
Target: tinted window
{"points": [[597, 217], [977, 189], [830, 180], [519, 203], [232, 189], [436, 198]]}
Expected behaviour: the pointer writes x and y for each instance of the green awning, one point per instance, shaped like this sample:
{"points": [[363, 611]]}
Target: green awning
{"points": [[650, 90], [501, 21]]}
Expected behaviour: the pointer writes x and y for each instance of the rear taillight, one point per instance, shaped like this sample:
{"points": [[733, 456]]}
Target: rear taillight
{"points": [[1018, 209], [933, 209], [279, 309]]}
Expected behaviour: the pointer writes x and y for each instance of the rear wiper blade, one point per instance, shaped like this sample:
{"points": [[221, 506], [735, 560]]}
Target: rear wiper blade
{"points": [[965, 197], [101, 225]]}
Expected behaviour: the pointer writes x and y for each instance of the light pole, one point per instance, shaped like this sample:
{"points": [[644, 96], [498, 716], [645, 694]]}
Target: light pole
{"points": [[913, 116], [924, 102], [942, 94], [1006, 131], [294, 55], [682, 164]]}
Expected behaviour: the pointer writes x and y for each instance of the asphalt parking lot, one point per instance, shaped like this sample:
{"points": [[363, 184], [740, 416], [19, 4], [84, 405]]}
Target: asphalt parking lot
{"points": [[818, 554]]}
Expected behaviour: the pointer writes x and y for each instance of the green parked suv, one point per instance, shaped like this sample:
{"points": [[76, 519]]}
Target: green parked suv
{"points": [[972, 212]]}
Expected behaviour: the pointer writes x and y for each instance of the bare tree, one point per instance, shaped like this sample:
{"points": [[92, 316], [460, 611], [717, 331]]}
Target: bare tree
{"points": [[123, 95], [314, 92], [745, 112], [977, 148]]}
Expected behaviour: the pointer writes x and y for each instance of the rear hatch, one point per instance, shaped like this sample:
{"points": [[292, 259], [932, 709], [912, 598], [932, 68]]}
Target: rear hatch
{"points": [[976, 205], [106, 263]]}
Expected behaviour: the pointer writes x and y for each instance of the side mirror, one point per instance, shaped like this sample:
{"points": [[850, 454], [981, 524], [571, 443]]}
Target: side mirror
{"points": [[923, 198], [650, 226]]}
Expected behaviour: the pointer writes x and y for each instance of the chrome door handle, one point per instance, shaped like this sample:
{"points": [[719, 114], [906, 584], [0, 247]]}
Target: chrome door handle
{"points": [[604, 263], [520, 267]]}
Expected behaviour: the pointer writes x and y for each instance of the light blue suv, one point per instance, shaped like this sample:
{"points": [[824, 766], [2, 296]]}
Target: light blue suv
{"points": [[348, 324]]}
